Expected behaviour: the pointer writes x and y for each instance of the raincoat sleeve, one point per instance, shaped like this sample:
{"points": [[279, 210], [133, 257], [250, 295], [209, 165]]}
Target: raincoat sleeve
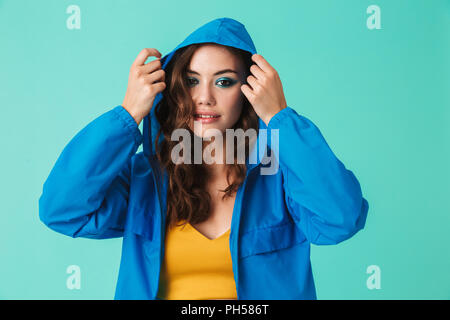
{"points": [[323, 197], [86, 192]]}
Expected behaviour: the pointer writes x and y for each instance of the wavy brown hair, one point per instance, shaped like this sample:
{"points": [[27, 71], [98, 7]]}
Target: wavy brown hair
{"points": [[187, 195]]}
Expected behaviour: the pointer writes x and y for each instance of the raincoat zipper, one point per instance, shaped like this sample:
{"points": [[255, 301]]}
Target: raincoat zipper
{"points": [[234, 234], [235, 231], [161, 252]]}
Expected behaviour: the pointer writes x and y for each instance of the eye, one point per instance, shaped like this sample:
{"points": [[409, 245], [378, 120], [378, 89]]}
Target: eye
{"points": [[191, 81], [226, 82]]}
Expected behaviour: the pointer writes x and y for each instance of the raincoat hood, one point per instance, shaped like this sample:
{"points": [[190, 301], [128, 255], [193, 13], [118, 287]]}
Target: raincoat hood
{"points": [[224, 31]]}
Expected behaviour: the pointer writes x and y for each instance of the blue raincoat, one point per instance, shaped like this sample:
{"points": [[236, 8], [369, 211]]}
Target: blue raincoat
{"points": [[101, 188]]}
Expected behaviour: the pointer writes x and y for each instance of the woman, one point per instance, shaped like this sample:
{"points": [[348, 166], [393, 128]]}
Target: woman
{"points": [[205, 230]]}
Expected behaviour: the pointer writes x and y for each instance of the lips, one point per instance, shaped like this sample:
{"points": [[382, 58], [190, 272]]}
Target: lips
{"points": [[206, 115]]}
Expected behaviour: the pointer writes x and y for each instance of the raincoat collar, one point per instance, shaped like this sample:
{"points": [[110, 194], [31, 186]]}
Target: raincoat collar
{"points": [[224, 31]]}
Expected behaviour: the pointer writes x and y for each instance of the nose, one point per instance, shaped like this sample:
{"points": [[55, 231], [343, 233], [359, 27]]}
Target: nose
{"points": [[205, 95]]}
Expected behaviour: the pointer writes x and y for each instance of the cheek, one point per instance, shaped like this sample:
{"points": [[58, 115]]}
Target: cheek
{"points": [[233, 103]]}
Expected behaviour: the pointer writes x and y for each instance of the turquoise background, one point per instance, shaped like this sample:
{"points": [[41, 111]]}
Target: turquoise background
{"points": [[380, 98]]}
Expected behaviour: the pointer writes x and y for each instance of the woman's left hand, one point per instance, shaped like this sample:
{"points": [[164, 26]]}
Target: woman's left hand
{"points": [[266, 92]]}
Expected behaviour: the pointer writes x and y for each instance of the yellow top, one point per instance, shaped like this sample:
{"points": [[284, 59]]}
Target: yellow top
{"points": [[196, 267]]}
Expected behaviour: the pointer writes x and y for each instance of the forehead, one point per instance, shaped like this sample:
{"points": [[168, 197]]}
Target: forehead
{"points": [[210, 58]]}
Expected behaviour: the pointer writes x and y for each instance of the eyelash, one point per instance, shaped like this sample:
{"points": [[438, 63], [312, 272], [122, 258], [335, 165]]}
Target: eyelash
{"points": [[230, 81]]}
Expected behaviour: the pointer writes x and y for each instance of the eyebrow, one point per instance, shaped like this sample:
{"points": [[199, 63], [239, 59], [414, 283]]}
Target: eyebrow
{"points": [[215, 74]]}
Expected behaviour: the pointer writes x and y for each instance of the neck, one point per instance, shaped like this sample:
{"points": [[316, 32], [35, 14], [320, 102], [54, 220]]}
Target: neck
{"points": [[217, 170]]}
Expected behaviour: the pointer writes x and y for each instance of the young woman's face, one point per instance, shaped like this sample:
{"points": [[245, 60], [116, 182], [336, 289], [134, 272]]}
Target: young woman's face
{"points": [[215, 77]]}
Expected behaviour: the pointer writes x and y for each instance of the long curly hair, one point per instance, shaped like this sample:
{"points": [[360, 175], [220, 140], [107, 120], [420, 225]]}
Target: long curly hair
{"points": [[187, 195]]}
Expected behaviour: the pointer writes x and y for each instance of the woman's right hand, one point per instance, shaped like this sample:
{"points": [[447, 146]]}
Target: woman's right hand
{"points": [[144, 83]]}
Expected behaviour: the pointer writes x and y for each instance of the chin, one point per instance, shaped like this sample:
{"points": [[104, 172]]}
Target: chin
{"points": [[205, 134], [207, 130]]}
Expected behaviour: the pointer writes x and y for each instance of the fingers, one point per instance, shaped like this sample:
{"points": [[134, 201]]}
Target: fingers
{"points": [[159, 86], [151, 66], [156, 76], [257, 72], [144, 54], [247, 91], [251, 80], [262, 63]]}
